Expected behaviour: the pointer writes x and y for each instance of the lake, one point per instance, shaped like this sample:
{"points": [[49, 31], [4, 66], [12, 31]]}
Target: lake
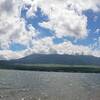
{"points": [[31, 85]]}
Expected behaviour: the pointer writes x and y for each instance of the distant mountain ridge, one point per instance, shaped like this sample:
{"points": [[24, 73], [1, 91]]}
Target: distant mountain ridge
{"points": [[57, 59]]}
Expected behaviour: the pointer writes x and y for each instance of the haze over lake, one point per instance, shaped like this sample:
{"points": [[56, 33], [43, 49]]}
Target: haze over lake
{"points": [[31, 85]]}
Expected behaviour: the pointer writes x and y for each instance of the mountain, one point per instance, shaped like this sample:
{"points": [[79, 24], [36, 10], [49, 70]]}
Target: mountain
{"points": [[54, 62], [57, 59]]}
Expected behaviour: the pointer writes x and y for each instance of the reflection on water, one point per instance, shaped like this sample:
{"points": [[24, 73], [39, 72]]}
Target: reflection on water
{"points": [[30, 85]]}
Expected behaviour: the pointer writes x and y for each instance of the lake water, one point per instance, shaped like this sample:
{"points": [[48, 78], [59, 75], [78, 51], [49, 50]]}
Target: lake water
{"points": [[30, 85]]}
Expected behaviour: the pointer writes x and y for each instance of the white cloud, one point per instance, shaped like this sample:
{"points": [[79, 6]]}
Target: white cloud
{"points": [[88, 4], [8, 54], [97, 30], [12, 26], [48, 47], [95, 18], [68, 24], [65, 19], [96, 45]]}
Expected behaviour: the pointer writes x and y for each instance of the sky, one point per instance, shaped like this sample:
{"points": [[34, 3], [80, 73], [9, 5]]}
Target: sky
{"points": [[49, 27]]}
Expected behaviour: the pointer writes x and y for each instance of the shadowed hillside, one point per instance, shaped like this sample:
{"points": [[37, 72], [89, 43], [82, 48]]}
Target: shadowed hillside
{"points": [[58, 59], [54, 62]]}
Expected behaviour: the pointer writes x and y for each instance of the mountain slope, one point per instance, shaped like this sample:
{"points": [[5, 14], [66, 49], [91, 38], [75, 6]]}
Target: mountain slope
{"points": [[58, 59]]}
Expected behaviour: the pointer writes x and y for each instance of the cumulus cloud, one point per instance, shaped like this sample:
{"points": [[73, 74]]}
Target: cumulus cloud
{"points": [[88, 4], [48, 47], [8, 54], [65, 18], [12, 26]]}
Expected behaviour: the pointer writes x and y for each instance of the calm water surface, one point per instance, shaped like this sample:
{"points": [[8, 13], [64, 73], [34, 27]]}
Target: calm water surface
{"points": [[30, 85]]}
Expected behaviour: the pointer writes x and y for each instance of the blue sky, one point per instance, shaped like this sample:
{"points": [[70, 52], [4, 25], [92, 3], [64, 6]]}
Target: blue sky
{"points": [[62, 26], [93, 24]]}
